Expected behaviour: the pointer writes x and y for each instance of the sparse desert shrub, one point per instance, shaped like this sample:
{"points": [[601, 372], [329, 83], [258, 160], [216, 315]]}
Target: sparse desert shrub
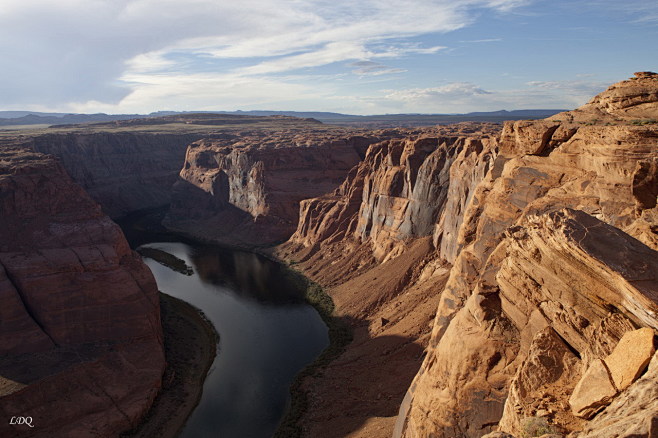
{"points": [[536, 426], [644, 122]]}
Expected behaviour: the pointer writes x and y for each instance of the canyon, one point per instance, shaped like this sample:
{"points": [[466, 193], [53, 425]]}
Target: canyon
{"points": [[541, 258], [491, 275]]}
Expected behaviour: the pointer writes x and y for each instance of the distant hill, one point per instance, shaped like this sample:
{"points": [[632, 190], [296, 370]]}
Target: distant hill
{"points": [[60, 119], [539, 113], [11, 118], [16, 114]]}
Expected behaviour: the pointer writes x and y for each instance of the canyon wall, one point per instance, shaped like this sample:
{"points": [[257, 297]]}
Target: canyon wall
{"points": [[131, 165], [122, 171], [80, 337], [542, 257], [558, 262], [371, 242], [245, 189]]}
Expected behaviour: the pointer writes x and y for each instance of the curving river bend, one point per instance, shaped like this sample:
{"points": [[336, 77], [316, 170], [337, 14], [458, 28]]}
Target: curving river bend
{"points": [[267, 335]]}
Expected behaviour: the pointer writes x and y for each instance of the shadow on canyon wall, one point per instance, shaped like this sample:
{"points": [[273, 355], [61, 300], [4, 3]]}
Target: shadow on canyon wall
{"points": [[364, 387], [27, 368], [193, 209]]}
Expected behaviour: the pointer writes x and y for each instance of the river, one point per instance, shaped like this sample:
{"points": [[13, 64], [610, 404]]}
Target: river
{"points": [[268, 333]]}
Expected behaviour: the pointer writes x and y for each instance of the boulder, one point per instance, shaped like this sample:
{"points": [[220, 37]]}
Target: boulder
{"points": [[631, 357], [632, 414], [594, 391]]}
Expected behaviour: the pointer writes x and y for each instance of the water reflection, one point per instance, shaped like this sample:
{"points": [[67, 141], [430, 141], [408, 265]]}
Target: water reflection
{"points": [[249, 274], [267, 335]]}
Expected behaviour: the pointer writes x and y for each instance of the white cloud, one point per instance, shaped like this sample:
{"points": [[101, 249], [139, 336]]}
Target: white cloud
{"points": [[453, 90], [207, 91], [464, 97], [332, 52], [371, 68], [638, 11], [486, 40], [574, 87], [117, 54]]}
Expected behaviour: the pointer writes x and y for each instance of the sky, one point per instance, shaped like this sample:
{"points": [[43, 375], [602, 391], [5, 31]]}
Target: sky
{"points": [[355, 57]]}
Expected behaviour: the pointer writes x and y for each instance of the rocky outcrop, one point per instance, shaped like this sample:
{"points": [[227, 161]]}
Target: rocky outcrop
{"points": [[80, 335], [528, 265], [400, 191], [131, 165], [541, 383], [631, 357], [469, 168], [245, 190], [604, 379], [631, 414], [492, 280], [543, 257], [405, 189], [593, 392], [631, 99], [533, 251], [371, 240]]}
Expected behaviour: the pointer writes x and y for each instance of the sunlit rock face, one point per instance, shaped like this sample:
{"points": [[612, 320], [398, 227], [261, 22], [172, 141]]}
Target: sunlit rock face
{"points": [[509, 266], [559, 238], [374, 240], [403, 189]]}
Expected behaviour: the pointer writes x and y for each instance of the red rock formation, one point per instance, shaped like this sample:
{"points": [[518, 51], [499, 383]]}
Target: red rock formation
{"points": [[517, 262], [551, 233], [246, 189], [371, 240], [588, 273], [399, 192], [80, 335], [130, 165]]}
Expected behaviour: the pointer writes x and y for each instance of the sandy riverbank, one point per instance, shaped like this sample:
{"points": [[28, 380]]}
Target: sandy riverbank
{"points": [[190, 348]]}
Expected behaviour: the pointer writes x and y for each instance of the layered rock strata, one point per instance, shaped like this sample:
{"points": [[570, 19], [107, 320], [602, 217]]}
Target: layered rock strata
{"points": [[80, 336], [131, 165], [562, 237], [124, 172], [371, 240], [542, 256], [399, 192], [245, 189], [509, 267]]}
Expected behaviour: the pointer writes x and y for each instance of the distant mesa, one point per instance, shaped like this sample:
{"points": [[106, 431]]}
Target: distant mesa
{"points": [[16, 118]]}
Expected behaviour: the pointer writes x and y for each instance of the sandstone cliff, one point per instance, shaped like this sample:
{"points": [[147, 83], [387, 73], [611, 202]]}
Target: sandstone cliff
{"points": [[131, 165], [371, 241], [558, 262], [124, 172], [516, 269], [542, 257], [245, 189], [80, 336]]}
